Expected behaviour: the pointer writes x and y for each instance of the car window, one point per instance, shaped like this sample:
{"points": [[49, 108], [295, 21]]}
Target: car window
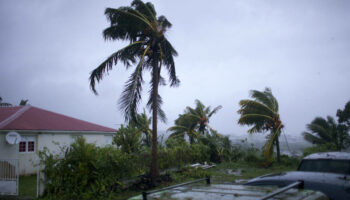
{"points": [[325, 165]]}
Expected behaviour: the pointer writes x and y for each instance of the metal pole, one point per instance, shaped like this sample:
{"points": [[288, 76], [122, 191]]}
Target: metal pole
{"points": [[144, 194], [300, 185]]}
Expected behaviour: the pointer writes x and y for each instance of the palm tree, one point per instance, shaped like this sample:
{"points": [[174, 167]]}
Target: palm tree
{"points": [[143, 122], [23, 102], [201, 115], [344, 115], [327, 132], [184, 125], [262, 114], [148, 50]]}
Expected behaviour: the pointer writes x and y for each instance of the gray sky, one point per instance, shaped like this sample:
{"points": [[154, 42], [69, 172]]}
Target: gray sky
{"points": [[300, 49]]}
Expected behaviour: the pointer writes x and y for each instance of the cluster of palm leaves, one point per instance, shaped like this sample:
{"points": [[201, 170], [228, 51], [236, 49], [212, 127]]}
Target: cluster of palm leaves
{"points": [[148, 49], [194, 122], [262, 114], [328, 132]]}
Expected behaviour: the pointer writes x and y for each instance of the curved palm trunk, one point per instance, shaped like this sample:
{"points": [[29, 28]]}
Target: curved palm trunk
{"points": [[154, 172], [278, 150]]}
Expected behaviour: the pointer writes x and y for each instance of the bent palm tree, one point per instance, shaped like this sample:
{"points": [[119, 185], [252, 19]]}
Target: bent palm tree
{"points": [[148, 50], [184, 125], [262, 114], [328, 132]]}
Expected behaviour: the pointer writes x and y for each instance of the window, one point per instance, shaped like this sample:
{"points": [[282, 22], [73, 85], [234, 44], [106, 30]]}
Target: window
{"points": [[27, 144], [326, 165], [22, 147]]}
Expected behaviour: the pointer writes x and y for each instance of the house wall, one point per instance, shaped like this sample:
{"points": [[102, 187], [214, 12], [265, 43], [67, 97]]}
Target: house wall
{"points": [[54, 142], [7, 151], [51, 140]]}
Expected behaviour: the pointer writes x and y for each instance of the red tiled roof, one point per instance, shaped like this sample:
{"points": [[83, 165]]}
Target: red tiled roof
{"points": [[32, 118]]}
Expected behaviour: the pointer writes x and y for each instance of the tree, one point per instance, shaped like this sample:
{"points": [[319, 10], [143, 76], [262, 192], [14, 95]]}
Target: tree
{"points": [[148, 50], [194, 122], [262, 114], [128, 139], [344, 115], [143, 122], [23, 102], [184, 125], [327, 132]]}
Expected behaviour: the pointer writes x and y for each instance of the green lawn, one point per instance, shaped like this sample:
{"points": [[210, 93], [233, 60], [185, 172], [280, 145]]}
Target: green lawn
{"points": [[27, 186], [248, 170]]}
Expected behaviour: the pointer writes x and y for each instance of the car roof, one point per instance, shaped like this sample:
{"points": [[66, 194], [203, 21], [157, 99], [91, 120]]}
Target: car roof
{"points": [[329, 155]]}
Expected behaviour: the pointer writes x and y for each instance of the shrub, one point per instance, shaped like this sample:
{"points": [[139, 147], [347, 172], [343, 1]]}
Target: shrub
{"points": [[85, 171]]}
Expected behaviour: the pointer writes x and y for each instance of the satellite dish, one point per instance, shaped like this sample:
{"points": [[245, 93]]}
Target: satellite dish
{"points": [[13, 138]]}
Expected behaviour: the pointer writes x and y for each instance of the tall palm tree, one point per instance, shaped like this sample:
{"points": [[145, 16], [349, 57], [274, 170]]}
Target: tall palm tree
{"points": [[262, 114], [327, 132], [201, 115], [148, 50]]}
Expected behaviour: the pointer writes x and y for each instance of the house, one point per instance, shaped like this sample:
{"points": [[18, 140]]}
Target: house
{"points": [[39, 128]]}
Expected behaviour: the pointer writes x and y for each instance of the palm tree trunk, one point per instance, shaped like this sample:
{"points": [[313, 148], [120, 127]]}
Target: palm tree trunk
{"points": [[278, 150], [154, 172]]}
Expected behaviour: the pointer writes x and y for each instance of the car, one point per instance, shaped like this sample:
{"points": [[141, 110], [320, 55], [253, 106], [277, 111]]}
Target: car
{"points": [[327, 172], [196, 190]]}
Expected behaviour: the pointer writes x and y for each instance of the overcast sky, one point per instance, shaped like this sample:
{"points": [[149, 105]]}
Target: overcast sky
{"points": [[300, 49]]}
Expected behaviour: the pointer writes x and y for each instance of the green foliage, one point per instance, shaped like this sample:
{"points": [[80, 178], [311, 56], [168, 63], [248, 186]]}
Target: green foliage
{"points": [[344, 115], [327, 132], [194, 122], [128, 139], [179, 153], [85, 171], [262, 114], [142, 122]]}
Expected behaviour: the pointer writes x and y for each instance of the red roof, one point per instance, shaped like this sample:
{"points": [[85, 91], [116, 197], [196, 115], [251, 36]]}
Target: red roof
{"points": [[32, 118]]}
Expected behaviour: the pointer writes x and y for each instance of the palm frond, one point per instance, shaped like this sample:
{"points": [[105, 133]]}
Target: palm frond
{"points": [[131, 95], [215, 110], [251, 106], [125, 55], [312, 138]]}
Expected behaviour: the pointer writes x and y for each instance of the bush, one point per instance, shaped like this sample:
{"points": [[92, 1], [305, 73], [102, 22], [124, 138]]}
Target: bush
{"points": [[85, 171]]}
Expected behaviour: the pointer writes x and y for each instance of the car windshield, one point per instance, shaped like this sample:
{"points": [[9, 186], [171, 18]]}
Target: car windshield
{"points": [[325, 165]]}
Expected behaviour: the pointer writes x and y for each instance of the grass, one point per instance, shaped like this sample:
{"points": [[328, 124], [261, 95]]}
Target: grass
{"points": [[248, 170], [27, 186]]}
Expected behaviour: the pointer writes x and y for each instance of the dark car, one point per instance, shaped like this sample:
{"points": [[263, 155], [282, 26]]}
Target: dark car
{"points": [[326, 172]]}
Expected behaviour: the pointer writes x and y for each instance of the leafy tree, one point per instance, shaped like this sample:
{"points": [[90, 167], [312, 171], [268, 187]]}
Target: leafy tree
{"points": [[327, 132], [128, 139], [344, 115], [148, 50], [262, 114], [143, 122]]}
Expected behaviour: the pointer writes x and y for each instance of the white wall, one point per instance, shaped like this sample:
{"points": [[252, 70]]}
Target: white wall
{"points": [[52, 141], [7, 151]]}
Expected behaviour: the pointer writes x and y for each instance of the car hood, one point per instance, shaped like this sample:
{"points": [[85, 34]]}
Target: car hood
{"points": [[285, 178]]}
